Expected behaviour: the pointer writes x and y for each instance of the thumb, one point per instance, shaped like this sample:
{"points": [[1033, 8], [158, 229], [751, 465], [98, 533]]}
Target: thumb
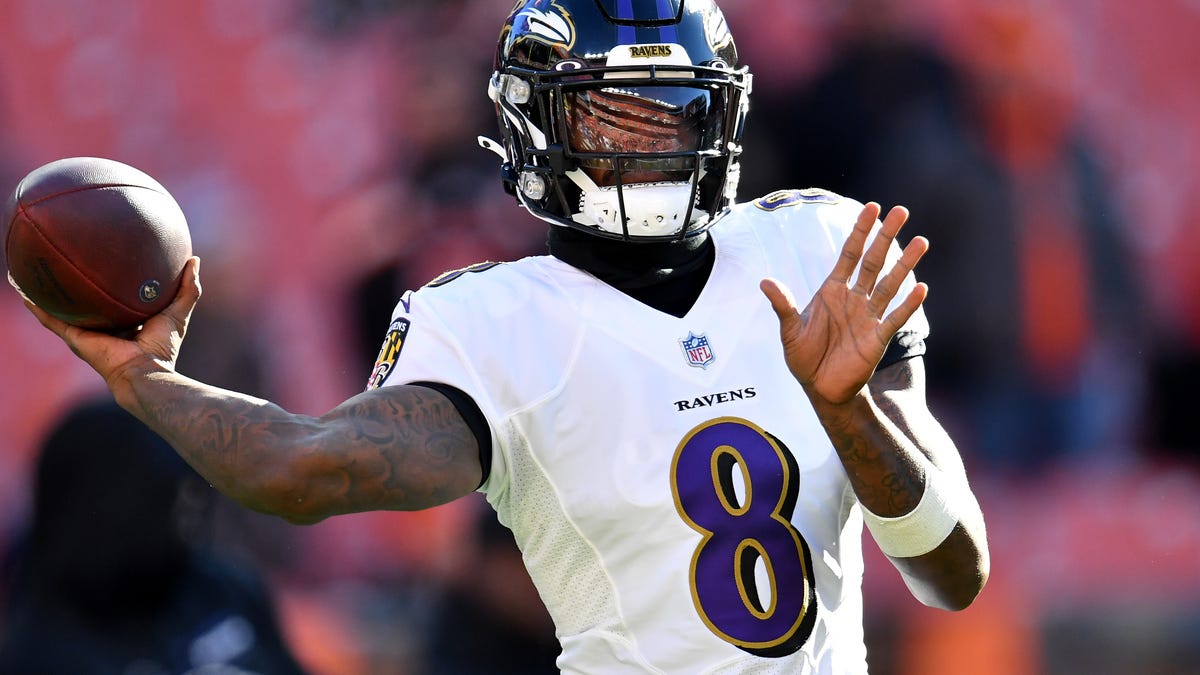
{"points": [[782, 300], [180, 309]]}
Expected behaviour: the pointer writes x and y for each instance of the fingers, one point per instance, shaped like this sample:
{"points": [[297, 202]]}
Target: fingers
{"points": [[876, 255], [54, 324], [879, 292], [896, 319], [887, 287], [852, 250], [69, 334]]}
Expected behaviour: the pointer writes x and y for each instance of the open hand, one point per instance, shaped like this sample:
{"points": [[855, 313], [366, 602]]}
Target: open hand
{"points": [[834, 344], [155, 346]]}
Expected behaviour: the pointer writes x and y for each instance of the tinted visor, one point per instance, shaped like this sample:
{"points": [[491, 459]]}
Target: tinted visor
{"points": [[654, 128]]}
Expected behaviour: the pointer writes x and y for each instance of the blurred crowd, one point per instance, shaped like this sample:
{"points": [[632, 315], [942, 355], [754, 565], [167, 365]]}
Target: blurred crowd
{"points": [[325, 153]]}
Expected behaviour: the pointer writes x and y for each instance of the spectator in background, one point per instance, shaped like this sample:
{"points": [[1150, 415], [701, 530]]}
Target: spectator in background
{"points": [[107, 580], [878, 80], [451, 196], [1034, 295], [1078, 302], [888, 115]]}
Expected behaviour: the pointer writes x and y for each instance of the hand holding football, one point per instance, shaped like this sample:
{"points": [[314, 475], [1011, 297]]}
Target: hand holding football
{"points": [[94, 242]]}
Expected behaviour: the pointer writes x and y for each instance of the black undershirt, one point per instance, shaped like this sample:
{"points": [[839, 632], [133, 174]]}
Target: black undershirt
{"points": [[667, 276]]}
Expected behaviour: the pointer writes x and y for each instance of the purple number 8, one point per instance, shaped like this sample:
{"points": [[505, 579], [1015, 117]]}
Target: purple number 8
{"points": [[742, 532]]}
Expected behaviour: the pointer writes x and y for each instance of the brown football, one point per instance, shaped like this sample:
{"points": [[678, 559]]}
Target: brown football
{"points": [[95, 242]]}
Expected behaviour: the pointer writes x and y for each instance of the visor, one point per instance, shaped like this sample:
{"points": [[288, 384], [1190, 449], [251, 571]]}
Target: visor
{"points": [[648, 128]]}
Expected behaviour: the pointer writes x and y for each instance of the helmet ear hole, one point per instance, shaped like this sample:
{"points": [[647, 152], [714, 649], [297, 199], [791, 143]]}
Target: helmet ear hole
{"points": [[625, 125]]}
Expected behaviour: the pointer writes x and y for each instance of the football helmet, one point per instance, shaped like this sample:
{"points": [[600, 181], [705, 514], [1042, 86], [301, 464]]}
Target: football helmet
{"points": [[622, 118]]}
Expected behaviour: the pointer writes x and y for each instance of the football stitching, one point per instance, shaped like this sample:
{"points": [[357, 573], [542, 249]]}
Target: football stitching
{"points": [[38, 229], [85, 188]]}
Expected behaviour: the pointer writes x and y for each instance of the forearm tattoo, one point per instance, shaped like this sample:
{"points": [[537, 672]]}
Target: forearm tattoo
{"points": [[396, 448], [879, 455]]}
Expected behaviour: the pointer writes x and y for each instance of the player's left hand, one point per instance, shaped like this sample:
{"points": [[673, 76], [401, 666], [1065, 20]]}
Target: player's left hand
{"points": [[833, 345]]}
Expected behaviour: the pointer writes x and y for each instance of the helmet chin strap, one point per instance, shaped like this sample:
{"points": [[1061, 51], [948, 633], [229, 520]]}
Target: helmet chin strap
{"points": [[651, 209]]}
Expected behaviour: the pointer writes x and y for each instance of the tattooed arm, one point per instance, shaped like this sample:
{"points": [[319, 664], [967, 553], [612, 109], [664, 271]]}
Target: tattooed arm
{"points": [[396, 448], [403, 447], [887, 441]]}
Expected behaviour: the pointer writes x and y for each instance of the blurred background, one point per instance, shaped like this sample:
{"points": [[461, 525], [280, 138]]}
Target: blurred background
{"points": [[324, 152]]}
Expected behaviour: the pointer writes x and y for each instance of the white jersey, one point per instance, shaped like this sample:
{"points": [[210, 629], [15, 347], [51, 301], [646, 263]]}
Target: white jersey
{"points": [[678, 505]]}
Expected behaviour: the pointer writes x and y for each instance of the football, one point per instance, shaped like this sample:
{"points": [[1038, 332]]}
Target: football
{"points": [[94, 242]]}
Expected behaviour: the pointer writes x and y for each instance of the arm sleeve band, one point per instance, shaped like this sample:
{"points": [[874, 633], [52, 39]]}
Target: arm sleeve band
{"points": [[924, 528]]}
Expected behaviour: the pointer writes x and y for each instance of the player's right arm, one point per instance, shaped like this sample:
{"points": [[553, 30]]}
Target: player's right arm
{"points": [[397, 448]]}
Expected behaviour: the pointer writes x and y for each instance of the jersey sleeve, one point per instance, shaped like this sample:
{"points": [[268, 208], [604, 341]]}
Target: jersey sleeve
{"points": [[420, 348]]}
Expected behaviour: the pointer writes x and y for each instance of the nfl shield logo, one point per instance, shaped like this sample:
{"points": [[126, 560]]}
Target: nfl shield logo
{"points": [[699, 353]]}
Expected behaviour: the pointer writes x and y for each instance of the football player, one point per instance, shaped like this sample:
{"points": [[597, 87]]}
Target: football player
{"points": [[686, 412]]}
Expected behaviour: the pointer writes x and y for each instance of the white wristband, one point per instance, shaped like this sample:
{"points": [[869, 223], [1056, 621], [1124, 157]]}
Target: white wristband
{"points": [[924, 528]]}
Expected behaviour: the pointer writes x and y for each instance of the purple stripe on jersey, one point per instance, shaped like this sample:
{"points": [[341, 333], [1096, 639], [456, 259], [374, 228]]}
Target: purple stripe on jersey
{"points": [[667, 34], [626, 35]]}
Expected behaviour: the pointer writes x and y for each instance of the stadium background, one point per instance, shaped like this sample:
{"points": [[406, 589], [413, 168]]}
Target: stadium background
{"points": [[324, 153]]}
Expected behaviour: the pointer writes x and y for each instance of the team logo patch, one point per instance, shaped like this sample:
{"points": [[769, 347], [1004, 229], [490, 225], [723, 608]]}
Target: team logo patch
{"points": [[393, 342], [699, 353]]}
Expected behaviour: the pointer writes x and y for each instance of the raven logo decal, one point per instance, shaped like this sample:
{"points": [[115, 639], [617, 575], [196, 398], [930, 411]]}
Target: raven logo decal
{"points": [[552, 26]]}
